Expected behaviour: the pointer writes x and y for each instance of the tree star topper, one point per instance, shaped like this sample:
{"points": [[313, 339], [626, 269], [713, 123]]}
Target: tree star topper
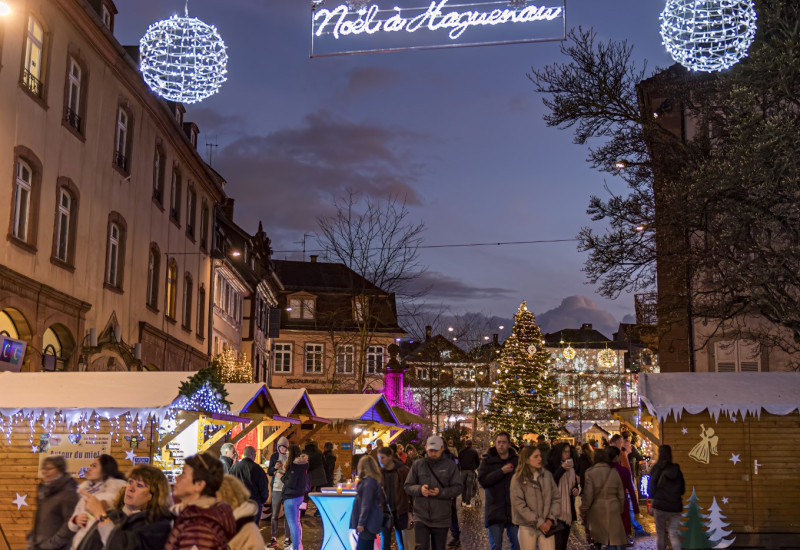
{"points": [[183, 59]]}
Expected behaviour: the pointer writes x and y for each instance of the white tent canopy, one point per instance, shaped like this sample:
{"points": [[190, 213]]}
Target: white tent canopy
{"points": [[727, 393], [365, 407], [243, 397], [291, 400]]}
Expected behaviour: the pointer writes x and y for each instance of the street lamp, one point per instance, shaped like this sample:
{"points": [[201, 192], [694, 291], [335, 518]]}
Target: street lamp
{"points": [[5, 9]]}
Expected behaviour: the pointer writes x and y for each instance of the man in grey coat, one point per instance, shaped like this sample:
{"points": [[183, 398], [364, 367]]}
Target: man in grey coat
{"points": [[434, 482]]}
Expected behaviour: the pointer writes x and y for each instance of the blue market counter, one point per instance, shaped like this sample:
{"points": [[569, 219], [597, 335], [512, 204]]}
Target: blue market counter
{"points": [[335, 509]]}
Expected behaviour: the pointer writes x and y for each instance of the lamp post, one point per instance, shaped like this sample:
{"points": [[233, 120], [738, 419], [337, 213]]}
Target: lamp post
{"points": [[5, 9]]}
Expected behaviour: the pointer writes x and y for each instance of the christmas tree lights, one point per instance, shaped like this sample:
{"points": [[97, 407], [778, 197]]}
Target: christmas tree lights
{"points": [[183, 59], [232, 368], [523, 401], [708, 35]]}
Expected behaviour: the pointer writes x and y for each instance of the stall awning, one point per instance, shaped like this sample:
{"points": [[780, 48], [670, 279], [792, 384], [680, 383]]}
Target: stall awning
{"points": [[292, 401], [726, 393], [250, 398], [353, 407]]}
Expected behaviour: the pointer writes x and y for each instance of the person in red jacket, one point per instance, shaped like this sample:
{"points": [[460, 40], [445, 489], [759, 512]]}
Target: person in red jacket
{"points": [[630, 491], [202, 523]]}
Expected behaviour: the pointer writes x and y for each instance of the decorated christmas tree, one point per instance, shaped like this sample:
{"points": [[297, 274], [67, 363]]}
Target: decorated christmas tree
{"points": [[231, 368], [694, 535], [523, 401], [716, 527]]}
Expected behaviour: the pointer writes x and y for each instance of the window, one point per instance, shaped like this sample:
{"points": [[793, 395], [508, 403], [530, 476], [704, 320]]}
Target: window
{"points": [[108, 20], [360, 308], [228, 299], [22, 201], [301, 308], [153, 269], [122, 139], [191, 211], [158, 176], [63, 224], [34, 57], [72, 109], [115, 251], [175, 196], [201, 311], [187, 301], [204, 216], [172, 289], [314, 358], [283, 358], [737, 356], [375, 359], [344, 360]]}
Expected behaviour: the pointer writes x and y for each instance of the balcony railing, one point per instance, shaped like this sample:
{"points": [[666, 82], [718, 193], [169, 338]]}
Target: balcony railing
{"points": [[72, 118], [32, 83], [121, 161]]}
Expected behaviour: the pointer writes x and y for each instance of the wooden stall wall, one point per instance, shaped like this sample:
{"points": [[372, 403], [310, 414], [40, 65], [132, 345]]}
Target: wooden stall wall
{"points": [[755, 502], [20, 468], [340, 435]]}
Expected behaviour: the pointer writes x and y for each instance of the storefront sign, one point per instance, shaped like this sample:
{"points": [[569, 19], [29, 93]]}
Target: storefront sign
{"points": [[79, 450], [12, 354], [382, 26]]}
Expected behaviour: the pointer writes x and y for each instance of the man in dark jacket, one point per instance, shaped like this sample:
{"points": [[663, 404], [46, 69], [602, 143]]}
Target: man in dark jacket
{"points": [[468, 462], [254, 478], [329, 462], [494, 475], [395, 474], [227, 455], [433, 483]]}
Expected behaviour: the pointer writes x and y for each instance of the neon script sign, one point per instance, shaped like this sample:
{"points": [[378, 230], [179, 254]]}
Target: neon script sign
{"points": [[371, 28]]}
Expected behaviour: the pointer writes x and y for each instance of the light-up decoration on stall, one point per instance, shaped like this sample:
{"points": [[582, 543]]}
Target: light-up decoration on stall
{"points": [[183, 59], [359, 27], [708, 35]]}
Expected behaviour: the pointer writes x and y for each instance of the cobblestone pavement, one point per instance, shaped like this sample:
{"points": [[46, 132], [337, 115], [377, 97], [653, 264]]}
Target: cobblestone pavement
{"points": [[474, 535]]}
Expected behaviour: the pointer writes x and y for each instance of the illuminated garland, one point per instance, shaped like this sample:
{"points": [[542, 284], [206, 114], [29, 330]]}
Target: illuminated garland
{"points": [[708, 35], [183, 59]]}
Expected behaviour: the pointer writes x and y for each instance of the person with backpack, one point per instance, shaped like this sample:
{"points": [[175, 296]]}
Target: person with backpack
{"points": [[666, 489]]}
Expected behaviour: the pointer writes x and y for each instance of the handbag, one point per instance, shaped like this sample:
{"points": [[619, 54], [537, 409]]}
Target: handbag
{"points": [[658, 485], [388, 517], [558, 527]]}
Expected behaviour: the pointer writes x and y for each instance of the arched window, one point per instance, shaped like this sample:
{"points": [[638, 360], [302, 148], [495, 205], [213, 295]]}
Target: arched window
{"points": [[172, 289], [32, 71], [187, 301], [122, 142], [159, 161], [153, 269], [175, 196], [22, 201], [114, 237], [201, 311]]}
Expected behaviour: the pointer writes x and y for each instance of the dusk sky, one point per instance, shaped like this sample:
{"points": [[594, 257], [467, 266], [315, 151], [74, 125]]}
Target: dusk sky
{"points": [[458, 132]]}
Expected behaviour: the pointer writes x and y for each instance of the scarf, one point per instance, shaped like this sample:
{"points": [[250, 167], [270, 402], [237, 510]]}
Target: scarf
{"points": [[565, 485]]}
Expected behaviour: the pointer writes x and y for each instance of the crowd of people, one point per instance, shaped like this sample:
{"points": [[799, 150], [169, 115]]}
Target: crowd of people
{"points": [[532, 497]]}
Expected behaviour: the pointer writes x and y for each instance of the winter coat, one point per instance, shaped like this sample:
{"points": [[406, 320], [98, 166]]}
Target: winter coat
{"points": [[316, 466], [557, 475], [434, 511], [630, 495], [667, 495], [131, 532], [497, 486], [56, 502], [205, 524], [534, 502], [368, 507], [329, 463], [227, 463], [295, 480], [402, 502], [584, 463], [248, 536], [469, 460], [105, 491], [254, 478], [602, 504]]}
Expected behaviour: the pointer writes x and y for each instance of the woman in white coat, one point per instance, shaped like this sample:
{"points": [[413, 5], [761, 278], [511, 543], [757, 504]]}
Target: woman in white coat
{"points": [[104, 481], [535, 502]]}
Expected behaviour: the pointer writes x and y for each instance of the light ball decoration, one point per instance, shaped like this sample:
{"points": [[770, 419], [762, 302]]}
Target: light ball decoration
{"points": [[183, 59], [569, 353], [607, 358], [708, 35]]}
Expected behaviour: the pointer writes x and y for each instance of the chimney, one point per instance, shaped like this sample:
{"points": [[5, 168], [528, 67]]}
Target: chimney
{"points": [[428, 329], [586, 326], [313, 258], [496, 339]]}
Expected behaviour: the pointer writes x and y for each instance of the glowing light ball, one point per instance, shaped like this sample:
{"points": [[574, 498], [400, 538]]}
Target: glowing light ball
{"points": [[708, 35], [183, 59], [569, 353], [607, 358]]}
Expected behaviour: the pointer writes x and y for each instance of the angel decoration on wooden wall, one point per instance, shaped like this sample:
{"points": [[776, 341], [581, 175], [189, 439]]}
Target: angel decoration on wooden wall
{"points": [[708, 446]]}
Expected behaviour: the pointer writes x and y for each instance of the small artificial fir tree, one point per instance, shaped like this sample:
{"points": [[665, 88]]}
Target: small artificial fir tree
{"points": [[523, 401]]}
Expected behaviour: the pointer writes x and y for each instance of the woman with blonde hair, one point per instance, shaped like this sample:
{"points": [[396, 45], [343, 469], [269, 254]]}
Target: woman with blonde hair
{"points": [[535, 501], [248, 536], [367, 518], [139, 520]]}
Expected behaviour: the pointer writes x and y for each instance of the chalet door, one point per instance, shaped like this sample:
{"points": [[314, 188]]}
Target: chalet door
{"points": [[774, 472]]}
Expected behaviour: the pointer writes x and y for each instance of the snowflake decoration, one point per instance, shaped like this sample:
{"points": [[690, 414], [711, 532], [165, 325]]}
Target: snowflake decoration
{"points": [[708, 35], [183, 59]]}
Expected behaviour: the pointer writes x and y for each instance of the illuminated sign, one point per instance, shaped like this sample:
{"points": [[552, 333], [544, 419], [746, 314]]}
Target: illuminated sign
{"points": [[12, 354], [382, 27]]}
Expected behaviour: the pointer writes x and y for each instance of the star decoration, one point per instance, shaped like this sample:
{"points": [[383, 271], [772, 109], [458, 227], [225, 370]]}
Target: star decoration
{"points": [[130, 455], [684, 430], [735, 458], [335, 446], [34, 449], [20, 501], [724, 500]]}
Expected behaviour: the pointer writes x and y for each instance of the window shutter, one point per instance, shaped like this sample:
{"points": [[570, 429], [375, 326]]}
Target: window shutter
{"points": [[749, 356], [274, 323], [725, 354]]}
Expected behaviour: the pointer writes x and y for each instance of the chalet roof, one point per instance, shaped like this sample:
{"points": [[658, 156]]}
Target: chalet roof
{"points": [[291, 401], [321, 276], [250, 398], [354, 407]]}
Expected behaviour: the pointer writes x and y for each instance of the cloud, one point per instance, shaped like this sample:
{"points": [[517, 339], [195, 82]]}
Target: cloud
{"points": [[629, 319], [213, 123], [365, 79], [289, 177], [573, 312], [446, 287]]}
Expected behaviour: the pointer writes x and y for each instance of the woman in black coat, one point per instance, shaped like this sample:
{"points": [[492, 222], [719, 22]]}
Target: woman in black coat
{"points": [[139, 520], [666, 490], [561, 464]]}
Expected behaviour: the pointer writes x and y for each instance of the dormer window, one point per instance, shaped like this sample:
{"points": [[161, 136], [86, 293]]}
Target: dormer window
{"points": [[107, 12], [107, 20], [302, 307], [360, 308]]}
